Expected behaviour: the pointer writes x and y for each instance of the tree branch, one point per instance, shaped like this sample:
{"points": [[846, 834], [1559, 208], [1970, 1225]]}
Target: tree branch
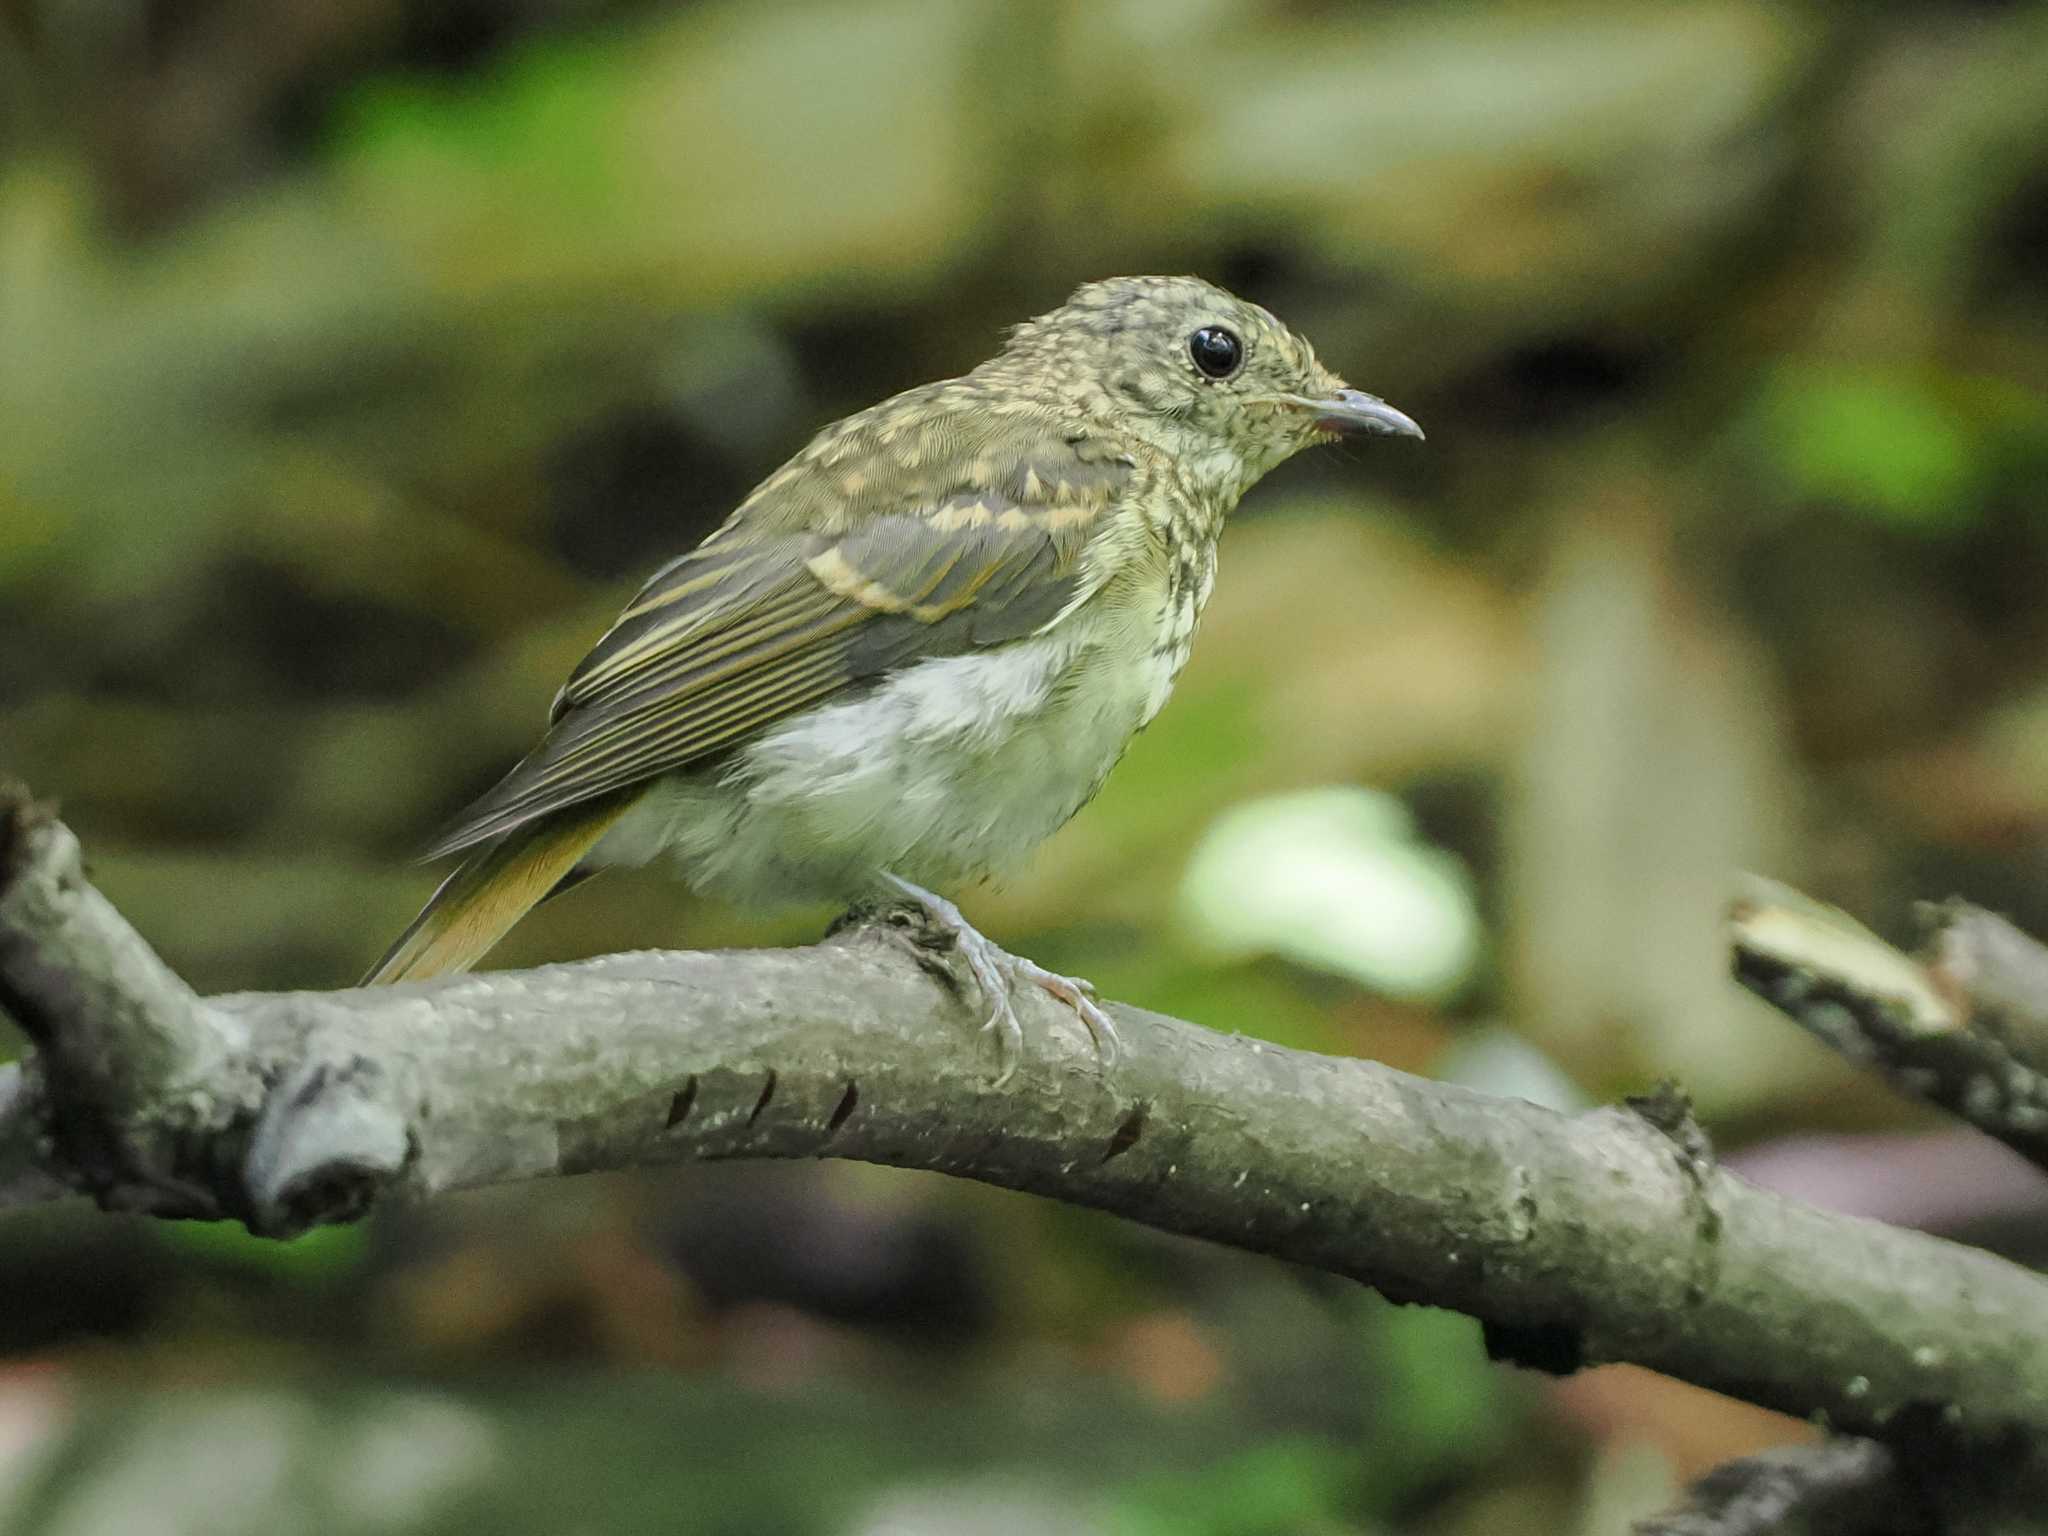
{"points": [[1610, 1236], [1966, 1029], [1845, 1487], [1840, 1487], [1995, 975]]}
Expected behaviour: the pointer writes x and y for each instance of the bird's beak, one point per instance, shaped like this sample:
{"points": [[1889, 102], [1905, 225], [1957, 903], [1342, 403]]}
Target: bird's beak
{"points": [[1357, 414]]}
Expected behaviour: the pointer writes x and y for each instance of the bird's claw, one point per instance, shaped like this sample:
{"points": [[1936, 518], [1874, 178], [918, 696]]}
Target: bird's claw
{"points": [[985, 964], [997, 972], [1079, 995]]}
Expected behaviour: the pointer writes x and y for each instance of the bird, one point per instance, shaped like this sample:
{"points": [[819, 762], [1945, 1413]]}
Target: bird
{"points": [[917, 648]]}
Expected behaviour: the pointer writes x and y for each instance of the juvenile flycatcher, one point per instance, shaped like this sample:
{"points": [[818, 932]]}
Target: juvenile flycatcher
{"points": [[918, 647]]}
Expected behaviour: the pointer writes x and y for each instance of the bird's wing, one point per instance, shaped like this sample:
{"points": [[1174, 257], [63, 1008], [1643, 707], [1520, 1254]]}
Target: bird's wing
{"points": [[764, 620]]}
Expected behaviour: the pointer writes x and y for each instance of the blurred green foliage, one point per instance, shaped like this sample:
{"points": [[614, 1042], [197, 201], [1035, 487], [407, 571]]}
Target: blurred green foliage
{"points": [[321, 1255], [1887, 447], [545, 122], [1280, 1486]]}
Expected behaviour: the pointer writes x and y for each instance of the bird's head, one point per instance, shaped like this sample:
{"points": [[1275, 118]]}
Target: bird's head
{"points": [[1218, 382]]}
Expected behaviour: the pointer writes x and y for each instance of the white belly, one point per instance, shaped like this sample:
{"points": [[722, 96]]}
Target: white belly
{"points": [[947, 771]]}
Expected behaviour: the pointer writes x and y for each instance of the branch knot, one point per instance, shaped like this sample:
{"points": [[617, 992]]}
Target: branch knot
{"points": [[333, 1132]]}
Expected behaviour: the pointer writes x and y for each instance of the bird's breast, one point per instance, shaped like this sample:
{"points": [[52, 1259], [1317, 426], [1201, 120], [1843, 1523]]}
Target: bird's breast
{"points": [[1191, 576], [944, 771]]}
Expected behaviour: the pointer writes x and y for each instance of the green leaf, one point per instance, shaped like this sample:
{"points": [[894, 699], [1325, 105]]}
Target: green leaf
{"points": [[1887, 443], [1280, 1487], [544, 123], [321, 1254]]}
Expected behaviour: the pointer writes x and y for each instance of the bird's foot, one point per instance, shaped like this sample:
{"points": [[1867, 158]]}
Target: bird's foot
{"points": [[996, 971]]}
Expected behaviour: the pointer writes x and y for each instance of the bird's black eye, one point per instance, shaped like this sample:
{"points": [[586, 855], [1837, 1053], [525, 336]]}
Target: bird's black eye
{"points": [[1217, 352]]}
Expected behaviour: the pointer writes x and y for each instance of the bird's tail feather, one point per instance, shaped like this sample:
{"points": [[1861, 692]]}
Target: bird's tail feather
{"points": [[491, 890]]}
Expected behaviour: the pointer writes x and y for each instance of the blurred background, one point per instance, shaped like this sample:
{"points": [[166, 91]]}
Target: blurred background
{"points": [[357, 357]]}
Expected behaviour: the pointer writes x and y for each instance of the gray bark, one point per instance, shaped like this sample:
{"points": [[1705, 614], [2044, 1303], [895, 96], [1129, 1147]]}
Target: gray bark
{"points": [[1964, 1029], [1856, 1488]]}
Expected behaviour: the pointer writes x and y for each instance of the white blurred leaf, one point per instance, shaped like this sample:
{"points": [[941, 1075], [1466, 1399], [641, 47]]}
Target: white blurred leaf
{"points": [[1335, 879]]}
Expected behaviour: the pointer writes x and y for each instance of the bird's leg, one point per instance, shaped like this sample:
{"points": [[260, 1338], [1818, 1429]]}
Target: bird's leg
{"points": [[996, 971]]}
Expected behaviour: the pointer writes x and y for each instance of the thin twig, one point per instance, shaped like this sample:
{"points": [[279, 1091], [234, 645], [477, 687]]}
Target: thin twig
{"points": [[1995, 974], [1848, 1487], [1950, 1033]]}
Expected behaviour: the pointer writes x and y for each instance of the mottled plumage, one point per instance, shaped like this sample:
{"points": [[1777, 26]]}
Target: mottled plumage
{"points": [[918, 647]]}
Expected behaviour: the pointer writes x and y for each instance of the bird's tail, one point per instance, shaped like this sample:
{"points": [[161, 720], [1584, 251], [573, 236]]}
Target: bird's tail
{"points": [[491, 890]]}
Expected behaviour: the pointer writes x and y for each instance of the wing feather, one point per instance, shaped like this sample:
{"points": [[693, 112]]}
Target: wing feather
{"points": [[765, 620]]}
